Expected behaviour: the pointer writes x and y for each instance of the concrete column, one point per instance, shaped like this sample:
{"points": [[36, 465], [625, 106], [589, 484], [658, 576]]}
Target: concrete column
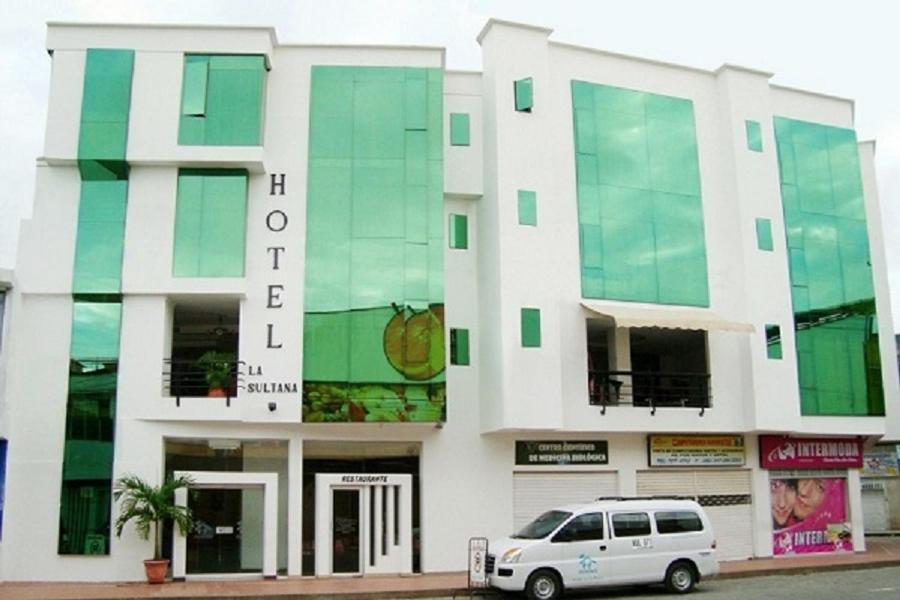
{"points": [[295, 507]]}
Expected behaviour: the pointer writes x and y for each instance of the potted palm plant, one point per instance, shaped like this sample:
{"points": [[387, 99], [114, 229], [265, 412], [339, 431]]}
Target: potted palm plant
{"points": [[149, 506], [217, 367]]}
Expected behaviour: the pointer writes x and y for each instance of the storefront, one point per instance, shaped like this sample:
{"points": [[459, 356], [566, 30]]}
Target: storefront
{"points": [[550, 473], [710, 468], [881, 486], [809, 494]]}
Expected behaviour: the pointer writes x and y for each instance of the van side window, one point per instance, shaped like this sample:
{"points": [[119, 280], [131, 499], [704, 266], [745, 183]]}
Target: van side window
{"points": [[582, 528], [631, 524], [678, 522]]}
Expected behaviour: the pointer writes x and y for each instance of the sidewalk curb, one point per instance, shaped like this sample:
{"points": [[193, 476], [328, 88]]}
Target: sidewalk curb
{"points": [[490, 593], [806, 569]]}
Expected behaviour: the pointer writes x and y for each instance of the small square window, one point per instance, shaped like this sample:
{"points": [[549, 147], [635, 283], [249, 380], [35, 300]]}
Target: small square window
{"points": [[459, 129], [459, 346], [764, 235], [754, 136], [527, 208], [524, 89], [459, 232], [773, 341], [531, 328]]}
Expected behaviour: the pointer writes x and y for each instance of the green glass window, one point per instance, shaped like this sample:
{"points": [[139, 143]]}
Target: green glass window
{"points": [[222, 100], [754, 136], [373, 330], [459, 346], [196, 80], [210, 223], [459, 129], [773, 341], [95, 330], [524, 92], [832, 289], [764, 235], [640, 211], [101, 237], [531, 327], [527, 205], [105, 106], [84, 519], [459, 232]]}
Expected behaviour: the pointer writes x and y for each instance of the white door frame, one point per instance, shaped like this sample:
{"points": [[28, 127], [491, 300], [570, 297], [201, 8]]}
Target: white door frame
{"points": [[225, 480], [364, 483]]}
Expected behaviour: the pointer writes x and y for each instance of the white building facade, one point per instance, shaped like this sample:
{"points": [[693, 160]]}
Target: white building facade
{"points": [[376, 308]]}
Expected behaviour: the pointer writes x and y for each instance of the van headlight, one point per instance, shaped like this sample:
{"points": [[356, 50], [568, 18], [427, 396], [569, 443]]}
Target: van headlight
{"points": [[511, 556]]}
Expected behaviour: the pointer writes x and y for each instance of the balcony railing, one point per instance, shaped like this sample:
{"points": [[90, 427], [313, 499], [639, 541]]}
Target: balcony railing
{"points": [[651, 390], [187, 379]]}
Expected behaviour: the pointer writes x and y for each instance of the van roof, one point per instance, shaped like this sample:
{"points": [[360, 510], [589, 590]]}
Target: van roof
{"points": [[644, 503]]}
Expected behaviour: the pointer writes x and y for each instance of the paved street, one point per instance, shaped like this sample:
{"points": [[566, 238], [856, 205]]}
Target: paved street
{"points": [[877, 584]]}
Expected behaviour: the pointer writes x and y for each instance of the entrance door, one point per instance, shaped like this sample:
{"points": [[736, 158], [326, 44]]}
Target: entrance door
{"points": [[345, 531], [363, 524], [227, 532]]}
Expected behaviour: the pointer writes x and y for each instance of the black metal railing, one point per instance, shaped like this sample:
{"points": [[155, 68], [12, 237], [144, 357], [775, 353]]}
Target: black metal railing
{"points": [[187, 379], [648, 389]]}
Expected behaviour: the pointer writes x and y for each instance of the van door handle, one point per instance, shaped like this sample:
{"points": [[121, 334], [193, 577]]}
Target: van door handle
{"points": [[603, 547]]}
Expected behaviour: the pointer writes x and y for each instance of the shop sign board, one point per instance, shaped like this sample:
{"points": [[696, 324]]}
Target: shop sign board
{"points": [[696, 450], [809, 515], [780, 452], [560, 452], [881, 461]]}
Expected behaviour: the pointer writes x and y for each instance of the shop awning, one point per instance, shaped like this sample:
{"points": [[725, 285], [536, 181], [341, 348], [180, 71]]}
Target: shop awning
{"points": [[665, 317]]}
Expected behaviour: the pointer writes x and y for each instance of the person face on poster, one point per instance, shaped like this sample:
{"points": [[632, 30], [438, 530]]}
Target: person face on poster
{"points": [[784, 497], [810, 494]]}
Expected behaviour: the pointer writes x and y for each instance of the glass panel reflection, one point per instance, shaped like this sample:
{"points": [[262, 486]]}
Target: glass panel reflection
{"points": [[374, 323], [831, 276], [639, 204]]}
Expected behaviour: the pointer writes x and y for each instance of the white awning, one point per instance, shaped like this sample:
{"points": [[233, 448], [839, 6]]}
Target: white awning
{"points": [[665, 317]]}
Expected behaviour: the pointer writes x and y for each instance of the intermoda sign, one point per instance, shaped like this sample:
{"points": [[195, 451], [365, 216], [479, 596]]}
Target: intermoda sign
{"points": [[696, 450], [779, 452], [544, 452]]}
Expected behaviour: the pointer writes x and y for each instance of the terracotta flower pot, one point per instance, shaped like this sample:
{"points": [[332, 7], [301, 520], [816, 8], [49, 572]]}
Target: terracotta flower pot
{"points": [[216, 392], [156, 570]]}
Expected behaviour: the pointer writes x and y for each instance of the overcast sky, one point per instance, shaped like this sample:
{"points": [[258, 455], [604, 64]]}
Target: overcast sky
{"points": [[830, 46]]}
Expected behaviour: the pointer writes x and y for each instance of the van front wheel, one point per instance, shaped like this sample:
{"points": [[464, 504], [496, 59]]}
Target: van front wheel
{"points": [[680, 578], [543, 585]]}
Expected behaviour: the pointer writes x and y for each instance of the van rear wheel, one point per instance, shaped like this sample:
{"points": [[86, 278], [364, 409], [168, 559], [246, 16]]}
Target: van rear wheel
{"points": [[680, 578], [543, 584]]}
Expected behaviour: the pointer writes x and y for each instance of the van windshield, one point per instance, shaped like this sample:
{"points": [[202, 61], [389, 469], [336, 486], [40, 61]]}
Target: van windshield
{"points": [[543, 526]]}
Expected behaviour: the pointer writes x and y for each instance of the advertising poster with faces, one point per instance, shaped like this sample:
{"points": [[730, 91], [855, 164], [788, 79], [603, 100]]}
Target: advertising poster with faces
{"points": [[809, 514]]}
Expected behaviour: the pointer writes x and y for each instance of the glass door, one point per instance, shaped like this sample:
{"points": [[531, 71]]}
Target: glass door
{"points": [[227, 533], [345, 531]]}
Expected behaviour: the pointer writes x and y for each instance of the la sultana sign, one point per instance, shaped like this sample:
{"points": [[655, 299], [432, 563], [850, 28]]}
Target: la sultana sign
{"points": [[780, 452]]}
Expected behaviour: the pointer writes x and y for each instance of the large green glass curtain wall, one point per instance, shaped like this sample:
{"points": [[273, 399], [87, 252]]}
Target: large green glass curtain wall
{"points": [[640, 212], [831, 277], [373, 335], [85, 497]]}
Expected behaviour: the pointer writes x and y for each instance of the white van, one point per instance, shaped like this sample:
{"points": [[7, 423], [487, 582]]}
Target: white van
{"points": [[610, 542]]}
